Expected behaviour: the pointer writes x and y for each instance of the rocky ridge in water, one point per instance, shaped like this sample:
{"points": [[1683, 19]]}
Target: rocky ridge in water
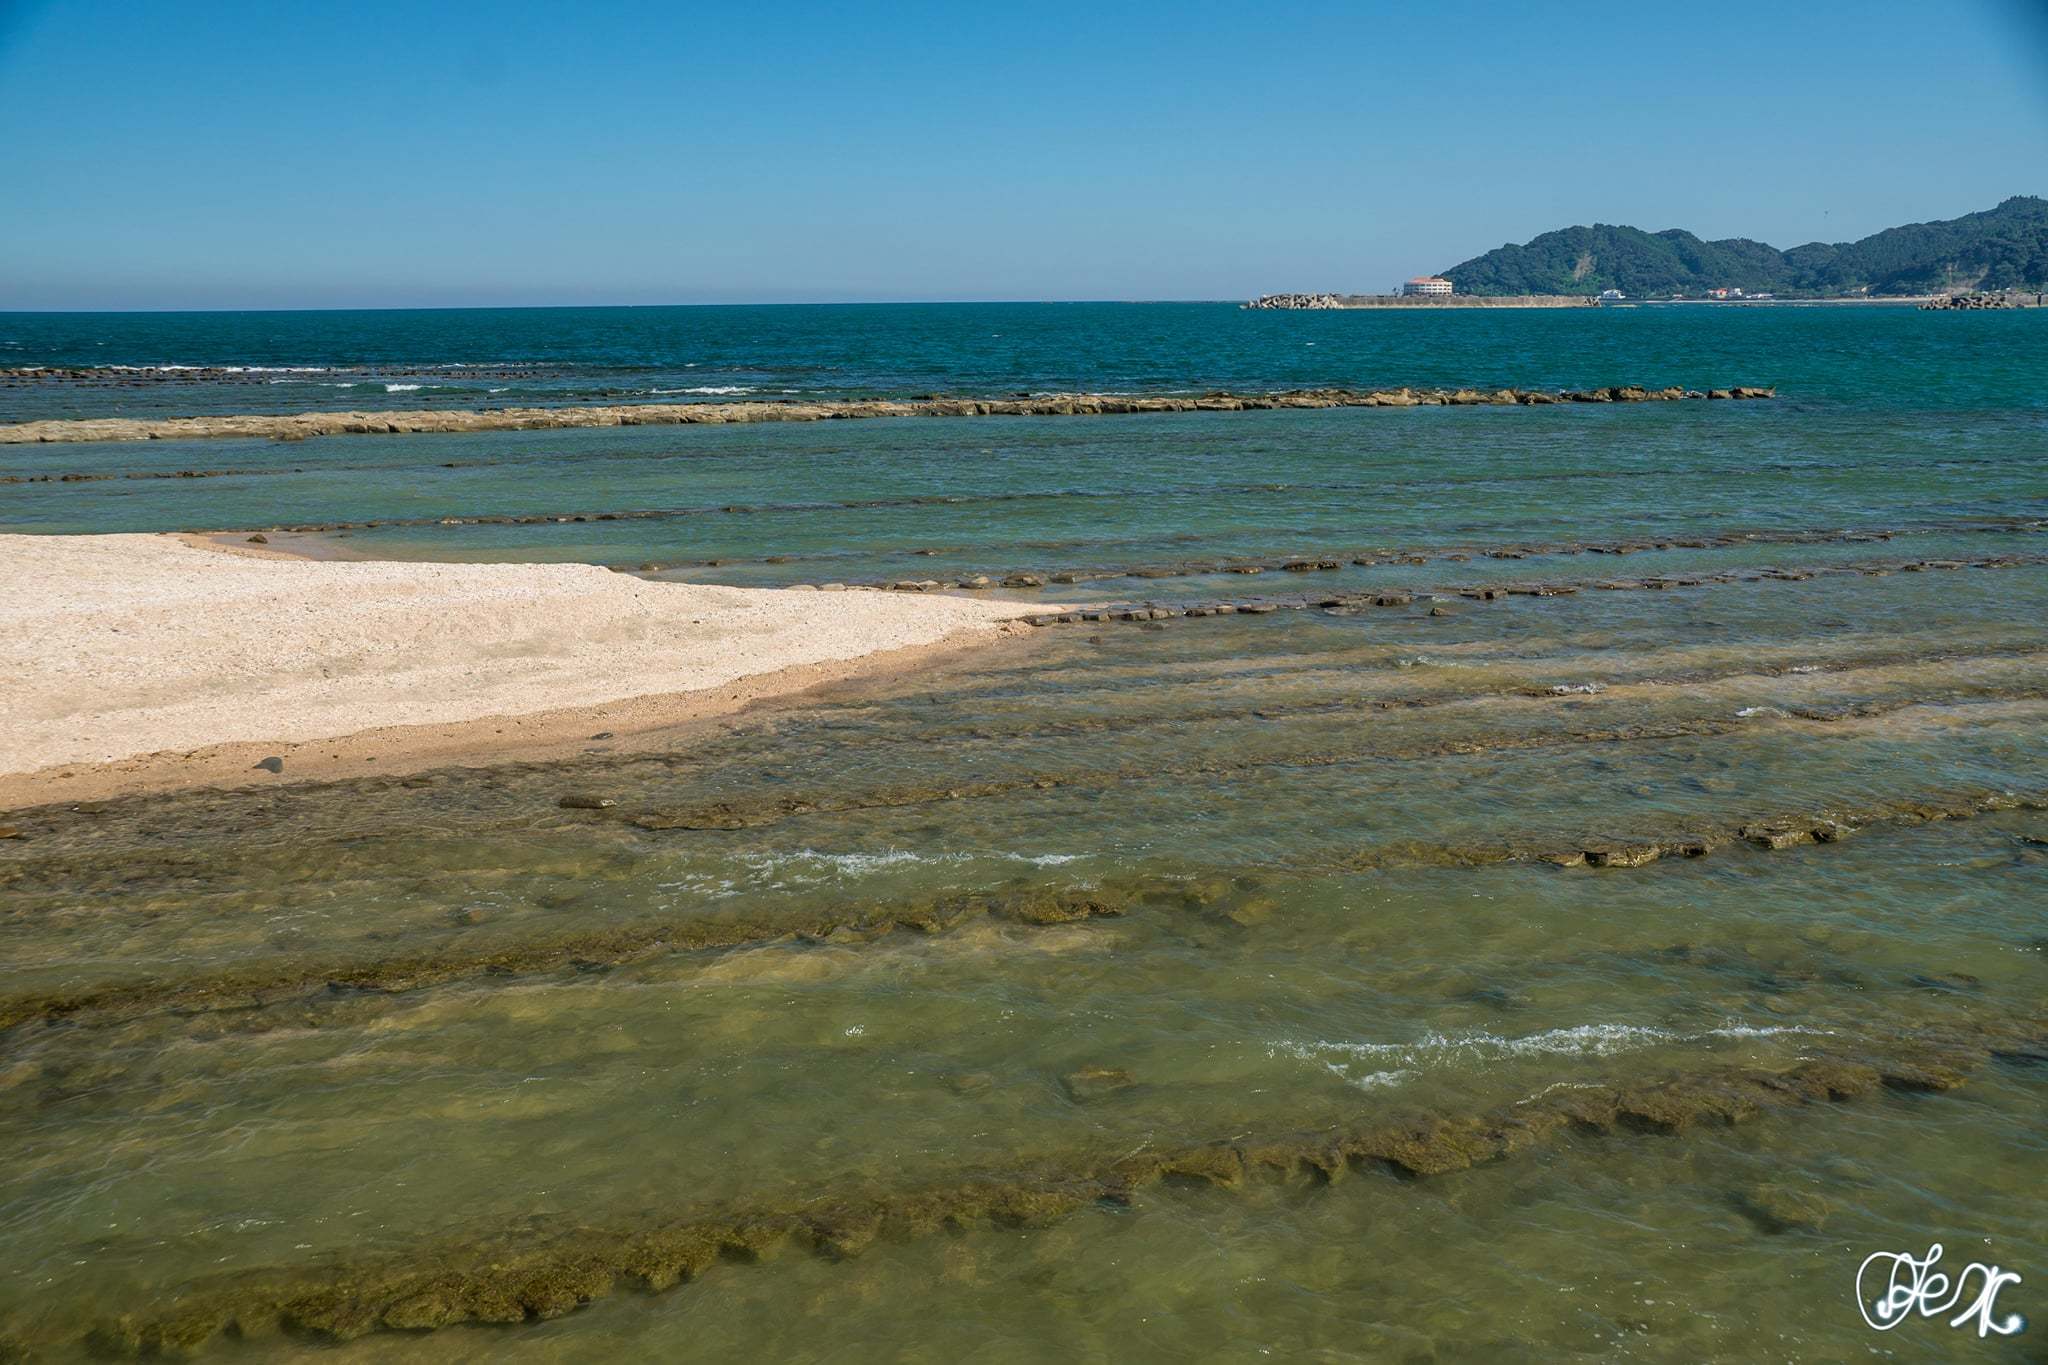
{"points": [[538, 1273], [298, 426], [248, 987]]}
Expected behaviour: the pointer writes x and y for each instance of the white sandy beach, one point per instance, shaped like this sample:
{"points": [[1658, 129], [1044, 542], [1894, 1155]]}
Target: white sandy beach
{"points": [[118, 646]]}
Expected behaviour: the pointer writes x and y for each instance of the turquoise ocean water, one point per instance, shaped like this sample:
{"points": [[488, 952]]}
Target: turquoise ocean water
{"points": [[1601, 908]]}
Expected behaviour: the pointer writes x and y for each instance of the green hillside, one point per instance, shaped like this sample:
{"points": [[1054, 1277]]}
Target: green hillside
{"points": [[2005, 247]]}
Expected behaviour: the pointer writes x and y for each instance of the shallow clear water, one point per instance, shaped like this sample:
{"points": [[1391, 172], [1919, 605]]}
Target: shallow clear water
{"points": [[1116, 890]]}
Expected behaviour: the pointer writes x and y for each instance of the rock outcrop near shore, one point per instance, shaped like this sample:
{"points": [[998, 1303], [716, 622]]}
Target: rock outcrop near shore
{"points": [[1952, 303], [297, 426], [1272, 301]]}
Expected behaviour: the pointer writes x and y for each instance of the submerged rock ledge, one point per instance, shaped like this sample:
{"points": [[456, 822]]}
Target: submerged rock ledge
{"points": [[243, 991], [297, 426], [1354, 602], [540, 1272]]}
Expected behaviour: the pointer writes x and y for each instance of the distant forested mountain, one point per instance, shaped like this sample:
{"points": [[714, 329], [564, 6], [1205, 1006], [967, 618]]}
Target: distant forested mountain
{"points": [[2005, 247]]}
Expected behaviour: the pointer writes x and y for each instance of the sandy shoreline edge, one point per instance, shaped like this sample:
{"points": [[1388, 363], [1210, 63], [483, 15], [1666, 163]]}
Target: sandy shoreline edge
{"points": [[301, 425], [148, 663]]}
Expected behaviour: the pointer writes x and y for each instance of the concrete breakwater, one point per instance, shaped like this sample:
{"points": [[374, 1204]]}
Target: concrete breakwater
{"points": [[1994, 298], [297, 426], [1328, 301]]}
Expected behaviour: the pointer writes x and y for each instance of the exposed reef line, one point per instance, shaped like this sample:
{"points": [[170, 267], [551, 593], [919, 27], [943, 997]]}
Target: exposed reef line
{"points": [[1347, 602], [1363, 703], [532, 457], [1362, 555], [34, 823], [297, 426], [1381, 556], [83, 476], [259, 984], [755, 813], [539, 1272]]}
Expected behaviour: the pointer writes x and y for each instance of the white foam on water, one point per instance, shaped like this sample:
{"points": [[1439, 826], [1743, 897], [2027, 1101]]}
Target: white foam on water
{"points": [[722, 390], [1436, 1050], [400, 388], [1377, 1080], [715, 888], [1749, 712], [223, 369], [847, 864], [860, 864]]}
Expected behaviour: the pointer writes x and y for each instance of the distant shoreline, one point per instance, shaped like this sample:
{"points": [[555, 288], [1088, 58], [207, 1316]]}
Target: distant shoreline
{"points": [[1900, 301], [1342, 302], [1336, 302]]}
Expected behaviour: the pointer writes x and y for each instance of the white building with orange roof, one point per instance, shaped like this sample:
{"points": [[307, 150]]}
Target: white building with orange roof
{"points": [[1427, 284]]}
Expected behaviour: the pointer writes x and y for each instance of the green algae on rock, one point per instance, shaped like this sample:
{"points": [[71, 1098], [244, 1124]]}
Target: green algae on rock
{"points": [[263, 982]]}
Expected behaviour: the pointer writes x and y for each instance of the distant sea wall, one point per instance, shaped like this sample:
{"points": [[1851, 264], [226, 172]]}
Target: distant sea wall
{"points": [[1322, 301]]}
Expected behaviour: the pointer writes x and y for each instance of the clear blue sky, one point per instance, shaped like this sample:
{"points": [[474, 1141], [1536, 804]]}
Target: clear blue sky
{"points": [[225, 154]]}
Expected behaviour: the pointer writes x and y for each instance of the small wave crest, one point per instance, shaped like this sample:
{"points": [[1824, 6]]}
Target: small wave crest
{"points": [[1438, 1051], [806, 862], [170, 368]]}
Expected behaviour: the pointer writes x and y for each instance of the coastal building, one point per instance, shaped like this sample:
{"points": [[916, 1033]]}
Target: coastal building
{"points": [[1427, 284], [1612, 296]]}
